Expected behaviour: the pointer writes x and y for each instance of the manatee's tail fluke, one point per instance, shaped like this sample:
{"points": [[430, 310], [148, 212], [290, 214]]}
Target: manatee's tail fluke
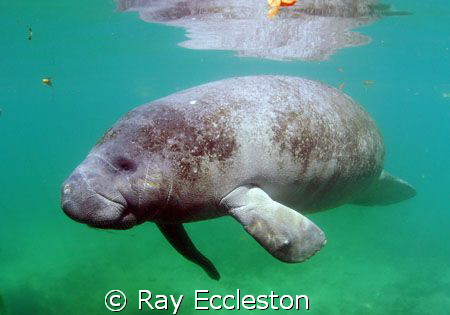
{"points": [[387, 190], [179, 239]]}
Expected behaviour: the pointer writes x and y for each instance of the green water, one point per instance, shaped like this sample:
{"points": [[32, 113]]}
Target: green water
{"points": [[381, 260]]}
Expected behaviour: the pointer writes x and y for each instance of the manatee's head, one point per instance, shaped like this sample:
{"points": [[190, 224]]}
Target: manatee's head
{"points": [[118, 185]]}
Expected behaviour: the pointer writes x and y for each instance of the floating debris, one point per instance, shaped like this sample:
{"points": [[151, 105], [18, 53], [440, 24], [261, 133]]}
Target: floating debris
{"points": [[341, 86], [341, 70], [47, 81], [446, 95], [30, 33], [276, 4], [368, 83]]}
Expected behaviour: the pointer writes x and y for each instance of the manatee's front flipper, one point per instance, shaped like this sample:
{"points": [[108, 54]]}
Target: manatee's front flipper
{"points": [[179, 239], [387, 190], [282, 231]]}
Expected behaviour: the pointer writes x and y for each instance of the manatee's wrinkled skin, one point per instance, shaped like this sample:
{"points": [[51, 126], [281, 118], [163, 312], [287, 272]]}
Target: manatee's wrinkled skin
{"points": [[309, 30], [172, 161]]}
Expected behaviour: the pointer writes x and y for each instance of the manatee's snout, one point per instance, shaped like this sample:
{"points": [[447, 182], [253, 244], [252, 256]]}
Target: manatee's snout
{"points": [[89, 198]]}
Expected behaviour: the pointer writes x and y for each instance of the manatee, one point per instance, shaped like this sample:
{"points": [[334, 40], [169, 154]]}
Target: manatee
{"points": [[266, 150]]}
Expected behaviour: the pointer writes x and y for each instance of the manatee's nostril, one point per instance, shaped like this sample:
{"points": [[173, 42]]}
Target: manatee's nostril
{"points": [[125, 164]]}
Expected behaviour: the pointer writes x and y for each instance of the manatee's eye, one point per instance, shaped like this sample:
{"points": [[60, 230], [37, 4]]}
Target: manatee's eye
{"points": [[125, 164]]}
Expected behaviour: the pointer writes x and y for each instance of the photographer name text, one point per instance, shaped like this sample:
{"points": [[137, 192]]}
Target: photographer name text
{"points": [[116, 301]]}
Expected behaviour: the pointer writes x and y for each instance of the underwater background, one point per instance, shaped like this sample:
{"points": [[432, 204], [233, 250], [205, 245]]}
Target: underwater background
{"points": [[378, 260]]}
